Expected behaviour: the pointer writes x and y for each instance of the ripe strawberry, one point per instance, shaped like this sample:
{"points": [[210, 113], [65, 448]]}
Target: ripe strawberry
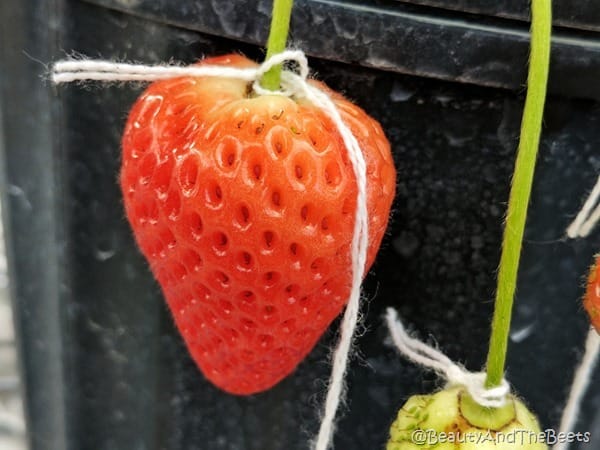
{"points": [[591, 301], [244, 207]]}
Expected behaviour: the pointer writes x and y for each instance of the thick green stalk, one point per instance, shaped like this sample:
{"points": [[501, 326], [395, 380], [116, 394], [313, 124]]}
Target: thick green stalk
{"points": [[541, 26], [280, 26]]}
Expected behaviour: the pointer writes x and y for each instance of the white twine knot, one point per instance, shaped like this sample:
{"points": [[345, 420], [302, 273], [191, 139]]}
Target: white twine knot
{"points": [[455, 375], [292, 85], [290, 81]]}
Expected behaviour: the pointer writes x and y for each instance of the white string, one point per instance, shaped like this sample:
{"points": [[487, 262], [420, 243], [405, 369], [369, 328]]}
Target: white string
{"points": [[426, 356], [359, 258], [85, 70], [586, 219], [581, 227], [70, 70], [292, 85], [580, 384]]}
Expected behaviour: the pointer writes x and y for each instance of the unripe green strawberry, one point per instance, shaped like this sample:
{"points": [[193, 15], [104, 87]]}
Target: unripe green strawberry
{"points": [[244, 207], [591, 301], [451, 420]]}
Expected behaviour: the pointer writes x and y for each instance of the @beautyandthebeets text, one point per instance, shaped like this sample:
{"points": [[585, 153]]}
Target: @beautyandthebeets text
{"points": [[521, 437]]}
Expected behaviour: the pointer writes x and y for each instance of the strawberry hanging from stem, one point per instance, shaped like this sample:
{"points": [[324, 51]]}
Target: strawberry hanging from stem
{"points": [[244, 207]]}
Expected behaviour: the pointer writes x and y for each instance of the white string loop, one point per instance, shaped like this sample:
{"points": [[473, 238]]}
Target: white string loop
{"points": [[292, 84], [289, 81], [429, 357]]}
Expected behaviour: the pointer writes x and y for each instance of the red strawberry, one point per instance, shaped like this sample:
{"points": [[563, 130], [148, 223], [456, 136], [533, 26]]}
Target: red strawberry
{"points": [[591, 302], [244, 207]]}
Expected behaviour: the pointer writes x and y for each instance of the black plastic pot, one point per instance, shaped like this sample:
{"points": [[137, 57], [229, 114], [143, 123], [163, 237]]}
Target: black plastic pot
{"points": [[103, 366]]}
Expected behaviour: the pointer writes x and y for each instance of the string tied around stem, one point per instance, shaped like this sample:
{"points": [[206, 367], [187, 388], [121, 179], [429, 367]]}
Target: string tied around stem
{"points": [[455, 375]]}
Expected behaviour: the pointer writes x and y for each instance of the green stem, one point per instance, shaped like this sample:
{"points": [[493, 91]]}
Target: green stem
{"points": [[541, 27], [280, 26]]}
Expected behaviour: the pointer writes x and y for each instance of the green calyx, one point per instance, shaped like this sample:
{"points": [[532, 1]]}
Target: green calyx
{"points": [[451, 420], [486, 418]]}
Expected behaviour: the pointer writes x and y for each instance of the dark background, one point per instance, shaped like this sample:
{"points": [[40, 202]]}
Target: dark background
{"points": [[104, 367]]}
